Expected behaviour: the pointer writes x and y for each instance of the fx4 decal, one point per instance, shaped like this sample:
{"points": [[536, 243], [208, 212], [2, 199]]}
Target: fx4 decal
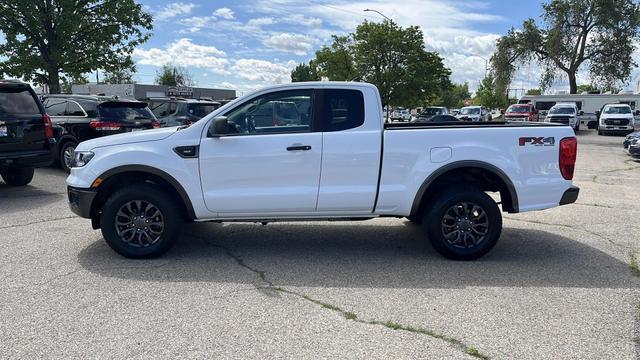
{"points": [[537, 141]]}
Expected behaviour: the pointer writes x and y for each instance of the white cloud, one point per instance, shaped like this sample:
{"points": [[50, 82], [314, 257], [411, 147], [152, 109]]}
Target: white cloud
{"points": [[183, 52], [263, 71], [300, 19], [261, 21], [292, 43], [224, 13], [174, 9]]}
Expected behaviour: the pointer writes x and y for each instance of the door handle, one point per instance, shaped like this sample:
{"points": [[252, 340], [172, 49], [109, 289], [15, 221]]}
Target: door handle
{"points": [[299, 148]]}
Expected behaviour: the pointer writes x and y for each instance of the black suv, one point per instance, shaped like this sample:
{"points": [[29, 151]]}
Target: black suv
{"points": [[77, 118], [177, 111], [26, 134]]}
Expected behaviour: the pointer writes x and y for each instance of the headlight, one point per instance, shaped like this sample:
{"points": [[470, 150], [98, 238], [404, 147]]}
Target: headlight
{"points": [[81, 158]]}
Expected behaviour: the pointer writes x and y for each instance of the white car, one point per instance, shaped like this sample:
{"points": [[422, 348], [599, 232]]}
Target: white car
{"points": [[564, 113], [332, 160], [401, 114], [616, 118], [474, 113]]}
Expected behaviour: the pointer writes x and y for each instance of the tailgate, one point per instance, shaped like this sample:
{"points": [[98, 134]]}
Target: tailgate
{"points": [[21, 120]]}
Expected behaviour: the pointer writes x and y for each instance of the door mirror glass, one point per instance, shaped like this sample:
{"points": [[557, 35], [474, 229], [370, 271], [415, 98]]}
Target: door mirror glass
{"points": [[219, 127], [581, 113]]}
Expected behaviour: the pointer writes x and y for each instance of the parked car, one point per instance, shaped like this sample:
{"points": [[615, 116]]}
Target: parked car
{"points": [[177, 112], [77, 118], [564, 113], [454, 112], [427, 113], [26, 133], [521, 112], [437, 119], [474, 113], [630, 138], [634, 148], [345, 164], [401, 114], [616, 119]]}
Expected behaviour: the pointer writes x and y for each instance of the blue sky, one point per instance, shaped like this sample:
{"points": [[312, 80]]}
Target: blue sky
{"points": [[248, 44]]}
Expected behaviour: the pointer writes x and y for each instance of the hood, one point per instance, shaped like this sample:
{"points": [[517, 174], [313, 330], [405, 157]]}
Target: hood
{"points": [[127, 138]]}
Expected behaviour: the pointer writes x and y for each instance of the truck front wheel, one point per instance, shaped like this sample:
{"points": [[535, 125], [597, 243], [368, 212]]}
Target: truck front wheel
{"points": [[463, 224], [140, 221]]}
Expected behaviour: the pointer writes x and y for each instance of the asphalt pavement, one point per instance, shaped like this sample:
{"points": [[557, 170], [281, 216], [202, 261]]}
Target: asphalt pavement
{"points": [[559, 284]]}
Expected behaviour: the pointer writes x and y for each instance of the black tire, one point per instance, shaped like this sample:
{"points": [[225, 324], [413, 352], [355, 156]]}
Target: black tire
{"points": [[479, 234], [577, 128], [18, 176], [66, 150], [600, 132], [135, 247]]}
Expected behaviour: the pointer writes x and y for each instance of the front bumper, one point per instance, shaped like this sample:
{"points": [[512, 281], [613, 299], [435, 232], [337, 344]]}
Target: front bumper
{"points": [[570, 196], [80, 201], [634, 151]]}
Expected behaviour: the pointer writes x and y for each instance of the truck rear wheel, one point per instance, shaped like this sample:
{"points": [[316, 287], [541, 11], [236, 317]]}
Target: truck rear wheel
{"points": [[140, 222], [463, 224], [18, 176]]}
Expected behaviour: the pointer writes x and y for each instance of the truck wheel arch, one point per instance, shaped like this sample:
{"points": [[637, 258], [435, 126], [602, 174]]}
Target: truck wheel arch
{"points": [[508, 194], [143, 172]]}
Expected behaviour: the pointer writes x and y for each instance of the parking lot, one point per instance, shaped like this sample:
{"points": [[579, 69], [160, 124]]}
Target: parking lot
{"points": [[558, 284]]}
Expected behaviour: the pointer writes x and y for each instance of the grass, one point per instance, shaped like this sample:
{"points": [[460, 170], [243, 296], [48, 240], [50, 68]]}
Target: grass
{"points": [[635, 270]]}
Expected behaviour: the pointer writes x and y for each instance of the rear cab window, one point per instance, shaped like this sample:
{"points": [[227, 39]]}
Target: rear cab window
{"points": [[342, 109]]}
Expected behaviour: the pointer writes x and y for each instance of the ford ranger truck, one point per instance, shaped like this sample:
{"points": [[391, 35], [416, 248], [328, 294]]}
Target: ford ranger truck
{"points": [[329, 157]]}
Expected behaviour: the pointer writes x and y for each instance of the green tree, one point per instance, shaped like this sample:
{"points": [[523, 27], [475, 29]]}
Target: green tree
{"points": [[120, 76], [336, 62], [172, 75], [389, 56], [489, 95], [47, 38], [587, 88], [305, 72], [455, 96], [534, 92], [598, 34]]}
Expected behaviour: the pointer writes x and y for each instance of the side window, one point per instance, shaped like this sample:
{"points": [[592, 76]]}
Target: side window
{"points": [[74, 109], [343, 109], [159, 109], [55, 107], [278, 112], [90, 107]]}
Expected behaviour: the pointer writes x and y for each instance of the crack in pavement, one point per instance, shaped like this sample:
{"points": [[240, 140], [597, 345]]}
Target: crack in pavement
{"points": [[38, 222], [572, 228], [270, 287]]}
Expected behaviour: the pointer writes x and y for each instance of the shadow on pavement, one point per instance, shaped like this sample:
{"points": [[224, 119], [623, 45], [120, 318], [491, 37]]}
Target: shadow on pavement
{"points": [[363, 256]]}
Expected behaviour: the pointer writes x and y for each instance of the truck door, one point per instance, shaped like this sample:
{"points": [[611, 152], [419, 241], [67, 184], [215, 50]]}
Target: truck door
{"points": [[266, 165], [351, 146]]}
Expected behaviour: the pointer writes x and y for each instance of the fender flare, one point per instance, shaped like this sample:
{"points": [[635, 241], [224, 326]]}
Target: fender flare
{"points": [[159, 173], [512, 208]]}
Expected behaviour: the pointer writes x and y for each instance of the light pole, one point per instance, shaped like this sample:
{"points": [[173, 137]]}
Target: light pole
{"points": [[486, 63], [376, 11]]}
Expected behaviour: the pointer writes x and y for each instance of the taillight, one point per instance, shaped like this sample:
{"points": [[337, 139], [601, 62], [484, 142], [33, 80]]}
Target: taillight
{"points": [[568, 152], [104, 125], [155, 124], [48, 127]]}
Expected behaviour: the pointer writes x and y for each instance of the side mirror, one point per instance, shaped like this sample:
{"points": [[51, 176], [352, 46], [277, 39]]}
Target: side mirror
{"points": [[219, 127], [637, 112]]}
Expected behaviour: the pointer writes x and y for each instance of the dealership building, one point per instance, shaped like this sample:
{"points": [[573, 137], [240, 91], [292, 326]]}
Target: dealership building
{"points": [[142, 91]]}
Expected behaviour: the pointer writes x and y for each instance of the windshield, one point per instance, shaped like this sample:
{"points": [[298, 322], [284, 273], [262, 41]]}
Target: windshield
{"points": [[123, 112], [565, 110], [431, 112], [201, 110], [617, 110], [519, 109], [470, 111]]}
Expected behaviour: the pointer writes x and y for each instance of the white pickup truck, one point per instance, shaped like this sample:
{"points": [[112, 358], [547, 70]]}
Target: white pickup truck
{"points": [[330, 156]]}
